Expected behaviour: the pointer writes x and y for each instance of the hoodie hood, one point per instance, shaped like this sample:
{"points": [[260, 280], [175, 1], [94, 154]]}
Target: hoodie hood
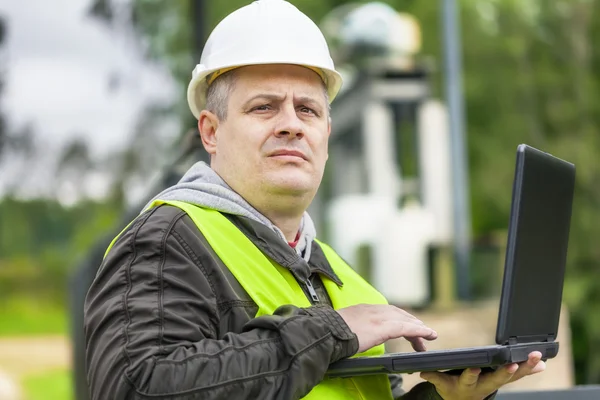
{"points": [[202, 186]]}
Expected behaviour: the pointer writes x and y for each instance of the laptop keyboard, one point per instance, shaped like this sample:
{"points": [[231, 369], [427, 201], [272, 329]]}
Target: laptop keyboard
{"points": [[442, 351]]}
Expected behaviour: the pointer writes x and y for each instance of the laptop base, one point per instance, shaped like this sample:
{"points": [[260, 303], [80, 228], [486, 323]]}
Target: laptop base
{"points": [[437, 360]]}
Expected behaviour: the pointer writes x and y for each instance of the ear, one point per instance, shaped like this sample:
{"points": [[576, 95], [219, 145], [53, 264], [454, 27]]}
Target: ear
{"points": [[208, 123]]}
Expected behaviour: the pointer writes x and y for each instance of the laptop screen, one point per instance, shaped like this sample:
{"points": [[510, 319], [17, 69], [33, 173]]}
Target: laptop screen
{"points": [[537, 248]]}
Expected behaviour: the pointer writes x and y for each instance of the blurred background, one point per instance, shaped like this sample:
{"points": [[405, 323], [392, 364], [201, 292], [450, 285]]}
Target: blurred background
{"points": [[437, 96]]}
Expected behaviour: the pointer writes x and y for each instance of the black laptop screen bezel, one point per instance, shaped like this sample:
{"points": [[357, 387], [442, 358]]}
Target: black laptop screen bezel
{"points": [[537, 174]]}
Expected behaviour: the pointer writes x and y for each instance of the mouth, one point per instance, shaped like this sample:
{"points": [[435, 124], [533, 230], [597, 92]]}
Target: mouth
{"points": [[289, 153]]}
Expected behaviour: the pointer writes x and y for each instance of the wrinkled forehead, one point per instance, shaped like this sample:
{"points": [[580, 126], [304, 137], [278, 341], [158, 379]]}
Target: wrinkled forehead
{"points": [[280, 78]]}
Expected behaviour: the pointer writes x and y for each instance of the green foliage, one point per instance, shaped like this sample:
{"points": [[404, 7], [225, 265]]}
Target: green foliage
{"points": [[41, 241], [20, 315], [53, 385]]}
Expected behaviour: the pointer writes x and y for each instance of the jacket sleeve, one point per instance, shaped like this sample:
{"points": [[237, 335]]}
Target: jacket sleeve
{"points": [[152, 330], [422, 391]]}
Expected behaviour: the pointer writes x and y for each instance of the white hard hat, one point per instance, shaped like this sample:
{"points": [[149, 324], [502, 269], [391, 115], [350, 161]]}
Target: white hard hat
{"points": [[263, 32]]}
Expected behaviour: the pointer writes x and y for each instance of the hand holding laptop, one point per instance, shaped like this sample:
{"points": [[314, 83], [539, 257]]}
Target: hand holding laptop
{"points": [[472, 384], [375, 324]]}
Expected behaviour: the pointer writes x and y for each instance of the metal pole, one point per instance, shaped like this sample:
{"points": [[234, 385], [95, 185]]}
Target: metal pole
{"points": [[199, 13], [199, 23], [454, 98]]}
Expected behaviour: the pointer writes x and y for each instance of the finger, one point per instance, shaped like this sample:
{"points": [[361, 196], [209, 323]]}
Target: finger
{"points": [[510, 369], [398, 328], [501, 376], [534, 358], [532, 361], [438, 379], [539, 367], [527, 367], [469, 377], [418, 344], [409, 330]]}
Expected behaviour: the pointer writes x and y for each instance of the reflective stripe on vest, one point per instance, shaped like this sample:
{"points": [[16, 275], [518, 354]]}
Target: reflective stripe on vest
{"points": [[271, 285]]}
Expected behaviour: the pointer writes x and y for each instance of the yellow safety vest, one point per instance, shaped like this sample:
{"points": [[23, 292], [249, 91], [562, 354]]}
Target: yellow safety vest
{"points": [[271, 285]]}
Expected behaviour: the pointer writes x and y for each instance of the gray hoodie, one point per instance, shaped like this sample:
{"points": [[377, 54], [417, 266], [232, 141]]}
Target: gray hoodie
{"points": [[202, 186]]}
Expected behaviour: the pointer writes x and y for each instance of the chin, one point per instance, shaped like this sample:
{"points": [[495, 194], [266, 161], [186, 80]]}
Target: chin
{"points": [[291, 183]]}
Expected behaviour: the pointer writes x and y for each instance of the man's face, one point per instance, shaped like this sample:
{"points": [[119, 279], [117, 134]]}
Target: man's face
{"points": [[274, 139]]}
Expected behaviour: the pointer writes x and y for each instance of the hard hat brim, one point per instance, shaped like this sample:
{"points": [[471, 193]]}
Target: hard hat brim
{"points": [[196, 92]]}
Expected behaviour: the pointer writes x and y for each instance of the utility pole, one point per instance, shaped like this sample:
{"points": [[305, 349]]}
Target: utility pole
{"points": [[199, 23], [460, 182]]}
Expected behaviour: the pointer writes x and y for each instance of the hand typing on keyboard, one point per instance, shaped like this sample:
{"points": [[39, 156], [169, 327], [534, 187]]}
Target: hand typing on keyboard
{"points": [[375, 324]]}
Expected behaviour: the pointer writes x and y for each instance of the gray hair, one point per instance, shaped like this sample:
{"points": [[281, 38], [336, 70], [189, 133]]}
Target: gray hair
{"points": [[217, 95]]}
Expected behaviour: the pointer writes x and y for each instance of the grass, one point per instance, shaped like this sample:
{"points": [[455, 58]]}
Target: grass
{"points": [[25, 316], [52, 385]]}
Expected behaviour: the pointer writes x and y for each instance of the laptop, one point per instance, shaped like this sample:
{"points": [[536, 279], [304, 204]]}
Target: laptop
{"points": [[532, 286]]}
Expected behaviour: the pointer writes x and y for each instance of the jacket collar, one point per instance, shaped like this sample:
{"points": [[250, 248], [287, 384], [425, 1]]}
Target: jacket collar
{"points": [[279, 251]]}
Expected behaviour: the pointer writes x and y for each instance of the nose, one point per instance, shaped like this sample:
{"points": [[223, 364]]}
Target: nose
{"points": [[288, 124]]}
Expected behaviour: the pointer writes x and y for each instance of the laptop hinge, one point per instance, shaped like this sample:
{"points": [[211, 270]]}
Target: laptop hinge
{"points": [[512, 340]]}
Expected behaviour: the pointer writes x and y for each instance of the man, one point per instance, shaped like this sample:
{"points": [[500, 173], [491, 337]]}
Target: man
{"points": [[219, 288]]}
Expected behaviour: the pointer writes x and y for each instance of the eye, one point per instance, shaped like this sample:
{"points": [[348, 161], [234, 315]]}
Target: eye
{"points": [[308, 110], [262, 107]]}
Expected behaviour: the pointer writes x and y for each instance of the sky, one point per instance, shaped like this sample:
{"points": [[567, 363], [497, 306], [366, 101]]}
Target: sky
{"points": [[57, 64]]}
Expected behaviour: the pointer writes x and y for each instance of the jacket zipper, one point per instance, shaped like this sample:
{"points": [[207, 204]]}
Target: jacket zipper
{"points": [[312, 291]]}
